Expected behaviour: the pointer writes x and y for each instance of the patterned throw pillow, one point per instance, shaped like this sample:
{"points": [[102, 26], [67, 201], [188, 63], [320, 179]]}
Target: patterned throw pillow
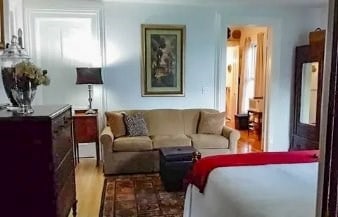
{"points": [[136, 125], [211, 123]]}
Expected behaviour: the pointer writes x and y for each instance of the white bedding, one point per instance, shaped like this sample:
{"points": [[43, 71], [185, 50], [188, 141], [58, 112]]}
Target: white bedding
{"points": [[280, 190]]}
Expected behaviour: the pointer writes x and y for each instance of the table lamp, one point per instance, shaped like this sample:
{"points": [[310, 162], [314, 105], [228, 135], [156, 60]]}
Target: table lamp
{"points": [[89, 76]]}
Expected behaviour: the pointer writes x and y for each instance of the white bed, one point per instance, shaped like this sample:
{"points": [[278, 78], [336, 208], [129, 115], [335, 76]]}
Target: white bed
{"points": [[279, 190]]}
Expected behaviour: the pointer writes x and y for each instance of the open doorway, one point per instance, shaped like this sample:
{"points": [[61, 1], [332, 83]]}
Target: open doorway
{"points": [[245, 84]]}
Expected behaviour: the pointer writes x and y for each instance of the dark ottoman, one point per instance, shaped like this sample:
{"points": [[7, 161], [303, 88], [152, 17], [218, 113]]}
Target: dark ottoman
{"points": [[174, 164], [241, 121]]}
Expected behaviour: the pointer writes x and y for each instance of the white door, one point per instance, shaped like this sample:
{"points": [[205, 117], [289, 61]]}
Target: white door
{"points": [[232, 81], [60, 42]]}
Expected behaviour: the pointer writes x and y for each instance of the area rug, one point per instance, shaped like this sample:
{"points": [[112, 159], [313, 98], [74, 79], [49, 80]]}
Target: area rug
{"points": [[139, 196]]}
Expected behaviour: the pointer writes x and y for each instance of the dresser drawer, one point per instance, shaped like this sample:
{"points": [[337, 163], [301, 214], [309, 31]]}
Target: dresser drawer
{"points": [[61, 137], [65, 169], [66, 197]]}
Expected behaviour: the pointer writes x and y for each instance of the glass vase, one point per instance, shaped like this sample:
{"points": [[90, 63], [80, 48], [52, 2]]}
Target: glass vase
{"points": [[9, 83], [12, 55], [24, 97]]}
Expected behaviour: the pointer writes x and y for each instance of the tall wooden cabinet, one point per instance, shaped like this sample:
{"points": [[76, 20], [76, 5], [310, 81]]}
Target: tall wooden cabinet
{"points": [[307, 91], [37, 150]]}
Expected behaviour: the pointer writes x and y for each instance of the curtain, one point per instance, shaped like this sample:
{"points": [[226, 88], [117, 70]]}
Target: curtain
{"points": [[243, 93], [260, 66]]}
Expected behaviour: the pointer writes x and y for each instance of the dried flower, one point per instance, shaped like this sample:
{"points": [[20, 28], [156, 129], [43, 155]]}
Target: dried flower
{"points": [[27, 71]]}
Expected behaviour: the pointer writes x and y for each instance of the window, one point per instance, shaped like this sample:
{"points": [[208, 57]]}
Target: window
{"points": [[249, 81]]}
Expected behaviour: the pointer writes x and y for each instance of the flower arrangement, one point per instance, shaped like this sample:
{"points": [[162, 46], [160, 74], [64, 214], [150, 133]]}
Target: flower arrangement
{"points": [[26, 72]]}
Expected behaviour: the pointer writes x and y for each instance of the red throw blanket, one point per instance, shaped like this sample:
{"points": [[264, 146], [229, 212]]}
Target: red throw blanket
{"points": [[202, 168]]}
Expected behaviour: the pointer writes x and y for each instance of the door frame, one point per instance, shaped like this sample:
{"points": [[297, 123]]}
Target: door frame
{"points": [[234, 80], [328, 165], [273, 26]]}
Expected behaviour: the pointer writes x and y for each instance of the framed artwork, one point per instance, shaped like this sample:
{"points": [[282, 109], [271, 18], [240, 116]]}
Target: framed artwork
{"points": [[163, 49], [2, 32]]}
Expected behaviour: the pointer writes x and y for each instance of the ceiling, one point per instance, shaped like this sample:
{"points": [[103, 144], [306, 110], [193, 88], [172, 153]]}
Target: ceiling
{"points": [[247, 2]]}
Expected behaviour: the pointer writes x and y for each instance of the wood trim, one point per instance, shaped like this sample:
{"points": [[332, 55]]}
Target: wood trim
{"points": [[329, 198], [2, 23]]}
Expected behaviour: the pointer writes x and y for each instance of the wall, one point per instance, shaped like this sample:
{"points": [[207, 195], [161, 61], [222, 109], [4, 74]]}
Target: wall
{"points": [[288, 27], [205, 49], [123, 33]]}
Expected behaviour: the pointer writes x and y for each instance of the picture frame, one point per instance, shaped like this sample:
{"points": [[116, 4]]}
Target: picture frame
{"points": [[163, 64]]}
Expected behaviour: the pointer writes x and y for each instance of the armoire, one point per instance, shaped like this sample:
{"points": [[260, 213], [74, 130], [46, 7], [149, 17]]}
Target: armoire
{"points": [[307, 93]]}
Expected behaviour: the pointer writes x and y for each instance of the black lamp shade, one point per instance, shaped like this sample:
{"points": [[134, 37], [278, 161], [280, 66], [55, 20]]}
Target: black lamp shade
{"points": [[88, 76]]}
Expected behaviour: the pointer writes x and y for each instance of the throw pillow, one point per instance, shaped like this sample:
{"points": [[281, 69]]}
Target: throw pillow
{"points": [[211, 123], [116, 123], [136, 125]]}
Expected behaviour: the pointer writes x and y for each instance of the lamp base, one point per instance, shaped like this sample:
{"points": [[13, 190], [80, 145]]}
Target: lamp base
{"points": [[90, 111]]}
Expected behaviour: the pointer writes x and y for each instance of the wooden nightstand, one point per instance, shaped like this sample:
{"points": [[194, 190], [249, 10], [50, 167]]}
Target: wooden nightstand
{"points": [[85, 131]]}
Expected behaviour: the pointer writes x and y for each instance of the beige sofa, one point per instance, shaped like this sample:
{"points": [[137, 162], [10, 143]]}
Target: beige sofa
{"points": [[167, 128]]}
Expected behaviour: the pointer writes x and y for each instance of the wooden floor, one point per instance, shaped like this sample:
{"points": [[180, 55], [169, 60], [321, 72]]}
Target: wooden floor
{"points": [[89, 178], [89, 184], [248, 143]]}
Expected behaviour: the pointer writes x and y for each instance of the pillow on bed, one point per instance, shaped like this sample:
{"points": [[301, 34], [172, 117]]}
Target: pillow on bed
{"points": [[211, 123], [136, 125], [116, 123]]}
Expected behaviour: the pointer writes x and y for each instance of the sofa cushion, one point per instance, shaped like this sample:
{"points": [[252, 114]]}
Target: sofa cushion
{"points": [[170, 141], [191, 119], [164, 122], [135, 143], [116, 123], [200, 141], [211, 123], [205, 152], [136, 126]]}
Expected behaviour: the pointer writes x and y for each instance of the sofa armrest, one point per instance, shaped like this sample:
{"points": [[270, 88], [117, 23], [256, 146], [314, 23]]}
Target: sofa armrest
{"points": [[107, 139], [233, 136]]}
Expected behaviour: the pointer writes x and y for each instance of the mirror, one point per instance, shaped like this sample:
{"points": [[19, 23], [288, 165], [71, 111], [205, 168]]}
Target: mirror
{"points": [[308, 102]]}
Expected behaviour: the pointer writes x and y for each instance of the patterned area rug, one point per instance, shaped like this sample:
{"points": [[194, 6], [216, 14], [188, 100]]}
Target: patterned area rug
{"points": [[139, 196]]}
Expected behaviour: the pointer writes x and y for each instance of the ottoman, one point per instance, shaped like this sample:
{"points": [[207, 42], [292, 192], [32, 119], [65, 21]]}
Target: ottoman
{"points": [[174, 164], [241, 121]]}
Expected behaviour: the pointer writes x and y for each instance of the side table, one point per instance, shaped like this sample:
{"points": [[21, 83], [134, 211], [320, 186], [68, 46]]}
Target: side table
{"points": [[255, 122], [85, 130]]}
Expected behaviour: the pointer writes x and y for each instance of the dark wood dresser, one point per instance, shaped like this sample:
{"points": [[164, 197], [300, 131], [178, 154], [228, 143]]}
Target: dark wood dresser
{"points": [[38, 155]]}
